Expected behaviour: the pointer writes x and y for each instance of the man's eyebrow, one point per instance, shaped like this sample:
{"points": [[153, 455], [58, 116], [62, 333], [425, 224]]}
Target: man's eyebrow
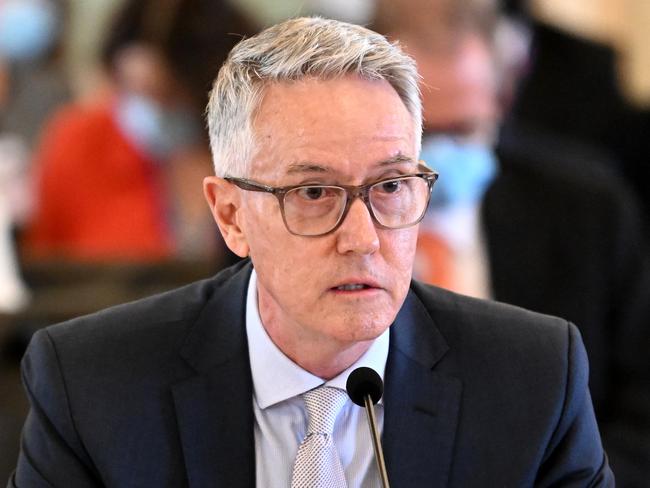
{"points": [[307, 167], [398, 159]]}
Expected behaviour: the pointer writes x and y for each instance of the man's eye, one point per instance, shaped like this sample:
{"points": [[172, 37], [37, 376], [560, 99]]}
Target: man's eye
{"points": [[390, 186], [312, 192]]}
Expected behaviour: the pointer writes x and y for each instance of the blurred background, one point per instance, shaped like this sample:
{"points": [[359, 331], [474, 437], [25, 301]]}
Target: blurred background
{"points": [[537, 116]]}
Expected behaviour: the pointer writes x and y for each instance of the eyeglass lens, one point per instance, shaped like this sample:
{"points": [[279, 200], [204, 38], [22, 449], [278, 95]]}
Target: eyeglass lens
{"points": [[315, 210]]}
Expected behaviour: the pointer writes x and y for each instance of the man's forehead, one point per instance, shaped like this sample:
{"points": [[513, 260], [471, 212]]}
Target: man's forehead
{"points": [[336, 125]]}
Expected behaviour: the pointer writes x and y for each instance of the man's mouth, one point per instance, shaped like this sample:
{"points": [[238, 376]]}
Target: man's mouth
{"points": [[352, 287]]}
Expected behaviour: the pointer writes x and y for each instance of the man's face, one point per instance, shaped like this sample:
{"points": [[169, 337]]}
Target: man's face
{"points": [[347, 131], [459, 93]]}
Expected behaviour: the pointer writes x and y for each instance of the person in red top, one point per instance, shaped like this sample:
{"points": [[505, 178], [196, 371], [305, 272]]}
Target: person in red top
{"points": [[112, 176], [99, 195]]}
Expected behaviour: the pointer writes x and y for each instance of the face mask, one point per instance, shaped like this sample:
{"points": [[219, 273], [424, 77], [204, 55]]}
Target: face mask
{"points": [[157, 131], [466, 169], [27, 28]]}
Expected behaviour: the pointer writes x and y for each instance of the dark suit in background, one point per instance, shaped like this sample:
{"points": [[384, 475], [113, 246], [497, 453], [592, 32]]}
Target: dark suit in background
{"points": [[159, 393], [571, 90], [565, 238]]}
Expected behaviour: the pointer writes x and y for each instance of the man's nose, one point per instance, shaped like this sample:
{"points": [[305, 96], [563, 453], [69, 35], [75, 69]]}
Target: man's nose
{"points": [[357, 233]]}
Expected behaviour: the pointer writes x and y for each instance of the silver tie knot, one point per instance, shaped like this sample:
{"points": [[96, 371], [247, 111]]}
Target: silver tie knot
{"points": [[323, 406]]}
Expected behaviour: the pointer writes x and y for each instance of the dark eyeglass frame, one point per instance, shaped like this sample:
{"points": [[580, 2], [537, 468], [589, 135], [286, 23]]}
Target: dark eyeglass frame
{"points": [[352, 192]]}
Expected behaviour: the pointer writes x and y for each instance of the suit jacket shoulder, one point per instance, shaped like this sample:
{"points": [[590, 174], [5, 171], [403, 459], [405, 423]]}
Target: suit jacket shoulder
{"points": [[129, 396], [481, 384]]}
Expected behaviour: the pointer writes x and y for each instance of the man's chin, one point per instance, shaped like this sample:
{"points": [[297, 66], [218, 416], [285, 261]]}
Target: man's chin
{"points": [[362, 329]]}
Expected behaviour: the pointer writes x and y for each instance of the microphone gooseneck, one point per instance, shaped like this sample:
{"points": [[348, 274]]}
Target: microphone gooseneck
{"points": [[365, 388]]}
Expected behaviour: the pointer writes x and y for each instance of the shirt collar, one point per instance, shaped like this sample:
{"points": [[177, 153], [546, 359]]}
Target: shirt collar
{"points": [[276, 377]]}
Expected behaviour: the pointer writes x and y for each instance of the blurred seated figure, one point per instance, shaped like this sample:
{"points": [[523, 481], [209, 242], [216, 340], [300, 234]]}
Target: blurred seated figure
{"points": [[32, 84], [531, 220], [116, 178], [31, 64], [578, 77]]}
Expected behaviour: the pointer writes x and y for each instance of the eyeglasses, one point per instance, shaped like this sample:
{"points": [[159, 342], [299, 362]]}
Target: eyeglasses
{"points": [[317, 210]]}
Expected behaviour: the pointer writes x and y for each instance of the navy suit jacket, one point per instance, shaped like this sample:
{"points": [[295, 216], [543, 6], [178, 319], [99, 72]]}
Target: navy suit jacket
{"points": [[158, 393]]}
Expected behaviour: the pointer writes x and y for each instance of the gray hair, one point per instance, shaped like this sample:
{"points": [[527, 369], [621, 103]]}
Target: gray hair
{"points": [[293, 50]]}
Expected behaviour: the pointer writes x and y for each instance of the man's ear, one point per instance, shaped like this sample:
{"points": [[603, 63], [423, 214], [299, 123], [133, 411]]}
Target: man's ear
{"points": [[225, 203]]}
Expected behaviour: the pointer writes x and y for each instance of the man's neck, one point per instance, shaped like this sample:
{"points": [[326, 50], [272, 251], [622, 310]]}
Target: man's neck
{"points": [[323, 358]]}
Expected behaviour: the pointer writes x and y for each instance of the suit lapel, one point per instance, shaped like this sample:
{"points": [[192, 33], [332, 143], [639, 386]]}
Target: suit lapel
{"points": [[422, 406], [213, 407]]}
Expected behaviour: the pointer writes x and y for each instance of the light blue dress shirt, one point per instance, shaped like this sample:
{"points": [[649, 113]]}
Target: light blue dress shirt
{"points": [[280, 415]]}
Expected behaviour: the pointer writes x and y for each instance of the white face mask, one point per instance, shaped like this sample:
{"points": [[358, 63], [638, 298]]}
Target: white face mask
{"points": [[466, 169], [27, 28], [157, 131]]}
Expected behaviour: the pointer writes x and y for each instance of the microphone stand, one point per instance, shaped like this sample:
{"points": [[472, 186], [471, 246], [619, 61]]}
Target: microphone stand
{"points": [[376, 443]]}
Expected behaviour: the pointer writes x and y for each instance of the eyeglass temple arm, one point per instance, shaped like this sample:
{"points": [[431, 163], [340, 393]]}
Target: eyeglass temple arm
{"points": [[433, 175], [245, 184]]}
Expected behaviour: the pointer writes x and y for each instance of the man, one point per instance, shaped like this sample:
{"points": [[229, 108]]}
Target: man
{"points": [[210, 385], [536, 222]]}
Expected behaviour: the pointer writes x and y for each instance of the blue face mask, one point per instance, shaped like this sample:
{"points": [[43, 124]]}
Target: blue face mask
{"points": [[466, 169], [27, 28], [155, 130]]}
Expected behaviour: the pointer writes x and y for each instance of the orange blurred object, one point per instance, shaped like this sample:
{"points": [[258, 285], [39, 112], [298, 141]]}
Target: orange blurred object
{"points": [[434, 260]]}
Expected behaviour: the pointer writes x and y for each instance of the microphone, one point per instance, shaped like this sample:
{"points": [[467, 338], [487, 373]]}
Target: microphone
{"points": [[365, 388]]}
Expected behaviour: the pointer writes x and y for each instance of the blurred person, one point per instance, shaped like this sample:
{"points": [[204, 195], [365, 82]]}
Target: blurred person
{"points": [[315, 127], [573, 87], [539, 222], [113, 175], [31, 52], [31, 85]]}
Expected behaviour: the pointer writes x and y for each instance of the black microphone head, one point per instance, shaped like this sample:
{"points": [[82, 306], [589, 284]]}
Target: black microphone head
{"points": [[364, 381]]}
